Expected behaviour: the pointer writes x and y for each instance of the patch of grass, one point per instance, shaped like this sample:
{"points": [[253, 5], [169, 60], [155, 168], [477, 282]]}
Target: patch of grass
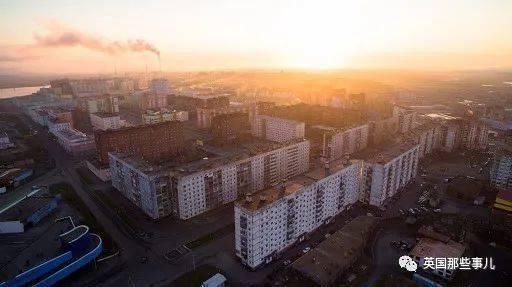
{"points": [[195, 278], [69, 195], [210, 237]]}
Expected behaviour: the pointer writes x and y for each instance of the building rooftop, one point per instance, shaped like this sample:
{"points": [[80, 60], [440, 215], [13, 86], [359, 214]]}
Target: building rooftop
{"points": [[106, 115], [385, 152], [442, 116], [294, 122], [267, 196], [217, 156], [428, 247], [128, 128], [333, 256], [73, 135]]}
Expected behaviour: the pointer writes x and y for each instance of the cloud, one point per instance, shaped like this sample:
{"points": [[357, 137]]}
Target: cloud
{"points": [[61, 36], [10, 58], [16, 53]]}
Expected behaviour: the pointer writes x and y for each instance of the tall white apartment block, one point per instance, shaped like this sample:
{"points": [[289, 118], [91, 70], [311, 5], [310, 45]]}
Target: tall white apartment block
{"points": [[105, 121], [191, 189], [160, 87], [277, 129], [340, 143], [271, 220], [406, 118], [501, 170], [387, 170], [428, 136]]}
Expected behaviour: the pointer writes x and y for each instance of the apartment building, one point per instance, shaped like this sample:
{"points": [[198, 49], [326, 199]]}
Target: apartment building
{"points": [[105, 121], [277, 129], [160, 87], [57, 125], [382, 130], [187, 190], [406, 118], [474, 134], [156, 142], [205, 116], [75, 142], [338, 143], [462, 133], [229, 128], [96, 104], [269, 221], [501, 170], [192, 102], [153, 116], [150, 100], [387, 169], [428, 136]]}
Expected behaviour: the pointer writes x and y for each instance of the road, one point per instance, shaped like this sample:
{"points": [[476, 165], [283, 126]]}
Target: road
{"points": [[131, 250]]}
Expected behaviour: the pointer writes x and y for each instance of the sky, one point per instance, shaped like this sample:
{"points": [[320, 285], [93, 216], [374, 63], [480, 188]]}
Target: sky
{"points": [[94, 36]]}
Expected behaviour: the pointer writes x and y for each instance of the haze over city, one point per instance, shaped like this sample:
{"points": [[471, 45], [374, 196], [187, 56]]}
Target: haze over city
{"points": [[101, 36]]}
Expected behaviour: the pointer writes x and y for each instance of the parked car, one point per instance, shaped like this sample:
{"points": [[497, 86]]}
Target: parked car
{"points": [[306, 250], [287, 262]]}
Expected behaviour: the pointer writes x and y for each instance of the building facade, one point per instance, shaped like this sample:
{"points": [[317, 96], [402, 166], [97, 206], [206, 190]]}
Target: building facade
{"points": [[277, 129], [229, 128], [154, 142], [205, 116], [160, 87], [501, 170], [189, 190], [163, 115], [75, 142], [269, 221], [406, 118], [386, 171], [105, 121], [339, 143]]}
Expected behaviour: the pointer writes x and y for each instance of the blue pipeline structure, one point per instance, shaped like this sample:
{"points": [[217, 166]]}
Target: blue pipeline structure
{"points": [[44, 211], [79, 246]]}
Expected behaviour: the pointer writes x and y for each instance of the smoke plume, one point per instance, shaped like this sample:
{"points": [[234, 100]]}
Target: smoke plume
{"points": [[66, 37]]}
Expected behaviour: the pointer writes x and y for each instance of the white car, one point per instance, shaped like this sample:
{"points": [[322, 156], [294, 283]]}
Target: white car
{"points": [[306, 250]]}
